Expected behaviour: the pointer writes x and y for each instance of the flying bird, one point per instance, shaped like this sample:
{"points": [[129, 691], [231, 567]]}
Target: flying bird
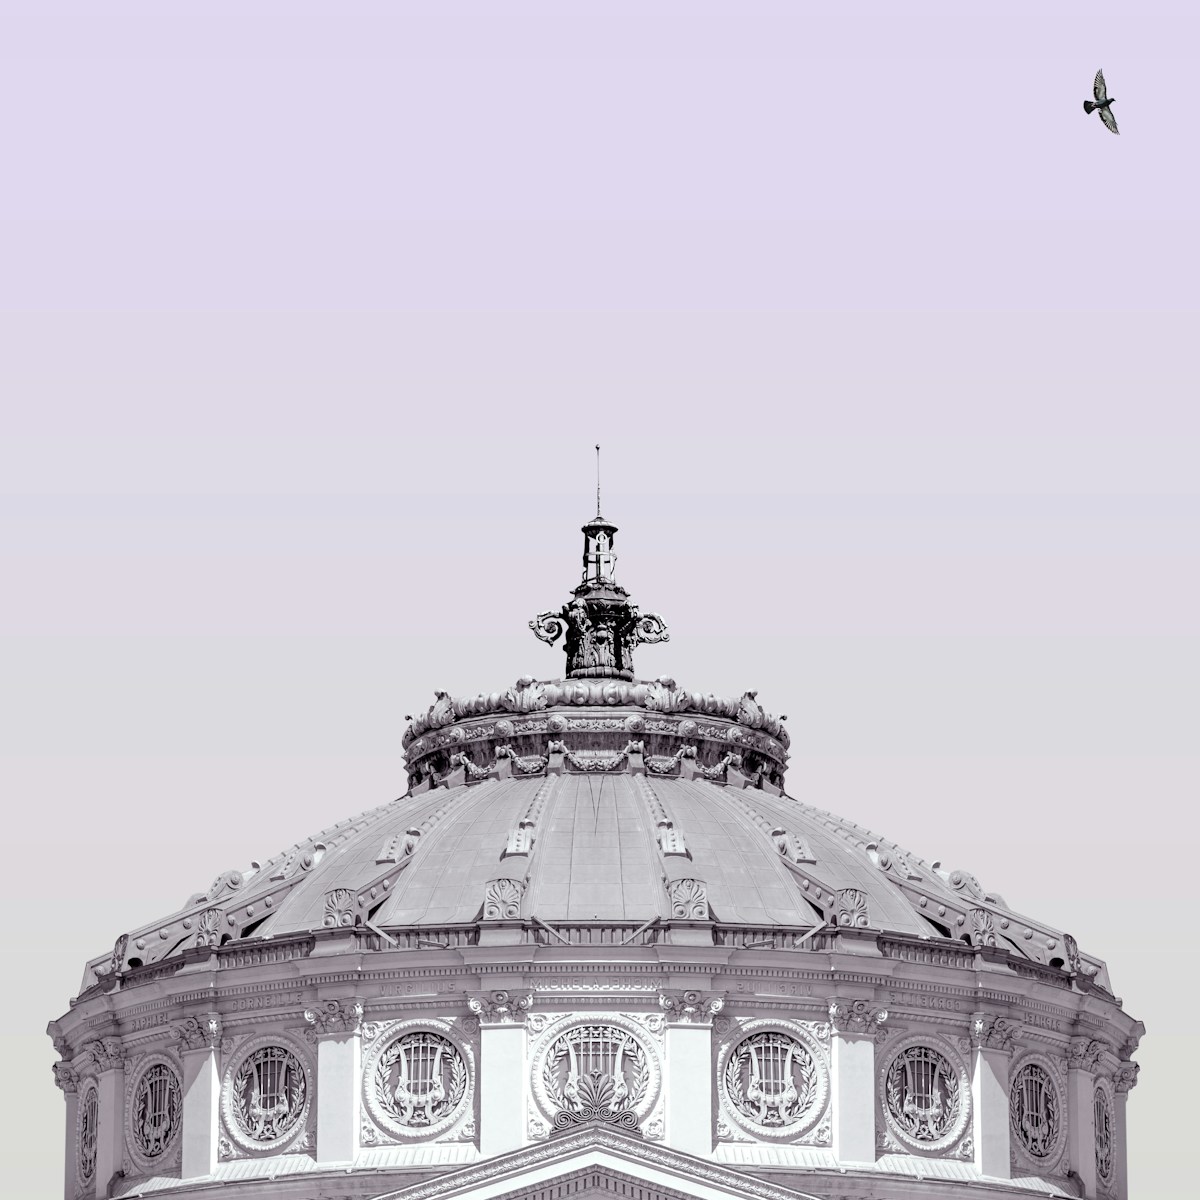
{"points": [[1102, 103]]}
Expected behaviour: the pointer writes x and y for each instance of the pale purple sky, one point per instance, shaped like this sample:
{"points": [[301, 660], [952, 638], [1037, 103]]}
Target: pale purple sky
{"points": [[310, 316]]}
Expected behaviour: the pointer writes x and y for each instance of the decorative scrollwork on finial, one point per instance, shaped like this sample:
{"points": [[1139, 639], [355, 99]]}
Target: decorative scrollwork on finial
{"points": [[650, 628], [548, 627]]}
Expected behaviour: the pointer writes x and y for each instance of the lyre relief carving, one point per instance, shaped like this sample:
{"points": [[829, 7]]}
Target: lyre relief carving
{"points": [[923, 1094]]}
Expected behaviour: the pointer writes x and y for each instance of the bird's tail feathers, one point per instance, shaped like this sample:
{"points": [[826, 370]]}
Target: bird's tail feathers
{"points": [[1088, 106]]}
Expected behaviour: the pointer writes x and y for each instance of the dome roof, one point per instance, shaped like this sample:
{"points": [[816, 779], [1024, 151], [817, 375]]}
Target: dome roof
{"points": [[595, 847], [595, 908], [599, 809]]}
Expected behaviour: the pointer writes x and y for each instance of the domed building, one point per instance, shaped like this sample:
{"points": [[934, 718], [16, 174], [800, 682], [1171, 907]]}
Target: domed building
{"points": [[596, 949]]}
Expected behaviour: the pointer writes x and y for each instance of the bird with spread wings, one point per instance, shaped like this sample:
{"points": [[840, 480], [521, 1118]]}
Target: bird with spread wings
{"points": [[1102, 104]]}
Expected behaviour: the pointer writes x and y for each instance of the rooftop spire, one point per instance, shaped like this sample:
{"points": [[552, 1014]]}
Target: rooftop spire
{"points": [[601, 626]]}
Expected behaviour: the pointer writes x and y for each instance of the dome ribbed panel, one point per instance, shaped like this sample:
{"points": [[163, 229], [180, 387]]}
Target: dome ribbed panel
{"points": [[842, 865], [747, 883], [445, 883], [350, 863], [596, 858]]}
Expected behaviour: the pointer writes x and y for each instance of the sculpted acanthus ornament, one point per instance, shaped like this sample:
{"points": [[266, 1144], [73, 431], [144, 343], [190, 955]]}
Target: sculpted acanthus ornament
{"points": [[117, 962], [990, 1032], [599, 639], [983, 930], [66, 1077], [208, 928], [335, 1016], [1083, 1054], [690, 1006], [339, 908], [852, 908], [104, 1054], [1125, 1077], [198, 1033], [1075, 960], [502, 899], [499, 1007], [689, 899], [861, 1018], [526, 695], [665, 695]]}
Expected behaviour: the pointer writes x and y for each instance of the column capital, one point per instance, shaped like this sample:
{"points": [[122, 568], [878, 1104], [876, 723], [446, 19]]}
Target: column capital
{"points": [[858, 1018], [990, 1032], [101, 1054], [1125, 1077], [1083, 1053], [499, 1007], [65, 1077], [198, 1033], [690, 1007], [337, 1017]]}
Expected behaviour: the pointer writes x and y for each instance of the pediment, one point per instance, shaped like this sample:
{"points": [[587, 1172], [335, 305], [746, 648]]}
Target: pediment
{"points": [[595, 1163]]}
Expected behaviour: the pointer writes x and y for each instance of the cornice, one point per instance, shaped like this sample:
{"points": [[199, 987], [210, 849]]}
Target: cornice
{"points": [[571, 1145], [424, 980]]}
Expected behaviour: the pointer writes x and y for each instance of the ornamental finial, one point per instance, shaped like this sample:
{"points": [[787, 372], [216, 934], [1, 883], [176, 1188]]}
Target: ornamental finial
{"points": [[601, 626]]}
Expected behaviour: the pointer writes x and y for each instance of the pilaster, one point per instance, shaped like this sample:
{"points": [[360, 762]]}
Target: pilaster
{"points": [[856, 1027], [1083, 1055], [992, 1041], [502, 1084], [68, 1082], [336, 1028], [689, 1070], [199, 1039], [1124, 1080], [106, 1055]]}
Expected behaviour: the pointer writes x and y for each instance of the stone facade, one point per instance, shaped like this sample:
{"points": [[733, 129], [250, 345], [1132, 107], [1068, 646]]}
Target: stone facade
{"points": [[588, 962]]}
